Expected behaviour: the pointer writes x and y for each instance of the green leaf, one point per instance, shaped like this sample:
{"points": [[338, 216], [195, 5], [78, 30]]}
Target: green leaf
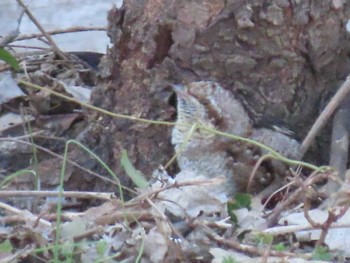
{"points": [[243, 200], [240, 200], [101, 247], [135, 175], [264, 239], [279, 247], [9, 59], [230, 210], [321, 253], [5, 247], [228, 259]]}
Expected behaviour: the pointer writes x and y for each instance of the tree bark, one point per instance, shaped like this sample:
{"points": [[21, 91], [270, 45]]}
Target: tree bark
{"points": [[282, 59]]}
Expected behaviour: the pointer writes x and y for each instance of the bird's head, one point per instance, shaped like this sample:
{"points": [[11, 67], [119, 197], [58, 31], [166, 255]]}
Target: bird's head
{"points": [[208, 103], [190, 110]]}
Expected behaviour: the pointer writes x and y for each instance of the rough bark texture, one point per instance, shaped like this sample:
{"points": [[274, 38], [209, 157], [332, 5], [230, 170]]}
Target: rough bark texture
{"points": [[283, 59]]}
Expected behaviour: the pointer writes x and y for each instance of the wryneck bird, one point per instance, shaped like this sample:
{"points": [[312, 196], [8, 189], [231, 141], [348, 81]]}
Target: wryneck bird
{"points": [[208, 104]]}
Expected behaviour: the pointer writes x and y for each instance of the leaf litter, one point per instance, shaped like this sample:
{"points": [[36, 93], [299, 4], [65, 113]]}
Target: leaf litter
{"points": [[181, 218]]}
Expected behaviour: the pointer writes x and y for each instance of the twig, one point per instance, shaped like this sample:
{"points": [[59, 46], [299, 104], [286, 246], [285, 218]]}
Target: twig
{"points": [[337, 99], [255, 169], [313, 178], [339, 145], [41, 193], [69, 161], [91, 107], [283, 230], [332, 218], [177, 185], [42, 30], [29, 47], [249, 249], [25, 214], [182, 145], [88, 233], [21, 253], [61, 31], [273, 153], [266, 254], [275, 193]]}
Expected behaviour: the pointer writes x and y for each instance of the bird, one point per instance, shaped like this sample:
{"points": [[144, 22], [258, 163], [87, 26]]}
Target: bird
{"points": [[208, 104]]}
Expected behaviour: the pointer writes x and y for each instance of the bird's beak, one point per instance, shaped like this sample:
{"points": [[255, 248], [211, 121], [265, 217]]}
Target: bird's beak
{"points": [[180, 90]]}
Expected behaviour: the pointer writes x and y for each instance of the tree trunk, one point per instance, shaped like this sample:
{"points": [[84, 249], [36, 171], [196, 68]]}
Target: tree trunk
{"points": [[282, 59]]}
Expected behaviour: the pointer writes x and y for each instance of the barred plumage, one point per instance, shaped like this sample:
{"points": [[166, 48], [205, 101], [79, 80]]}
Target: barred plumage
{"points": [[209, 104]]}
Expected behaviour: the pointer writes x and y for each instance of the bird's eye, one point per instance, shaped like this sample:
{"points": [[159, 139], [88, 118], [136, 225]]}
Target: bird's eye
{"points": [[172, 100]]}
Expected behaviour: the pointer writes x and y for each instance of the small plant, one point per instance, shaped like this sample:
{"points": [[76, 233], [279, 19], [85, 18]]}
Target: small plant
{"points": [[264, 239], [322, 253], [279, 247], [135, 175], [8, 58], [228, 259], [239, 201], [6, 247]]}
